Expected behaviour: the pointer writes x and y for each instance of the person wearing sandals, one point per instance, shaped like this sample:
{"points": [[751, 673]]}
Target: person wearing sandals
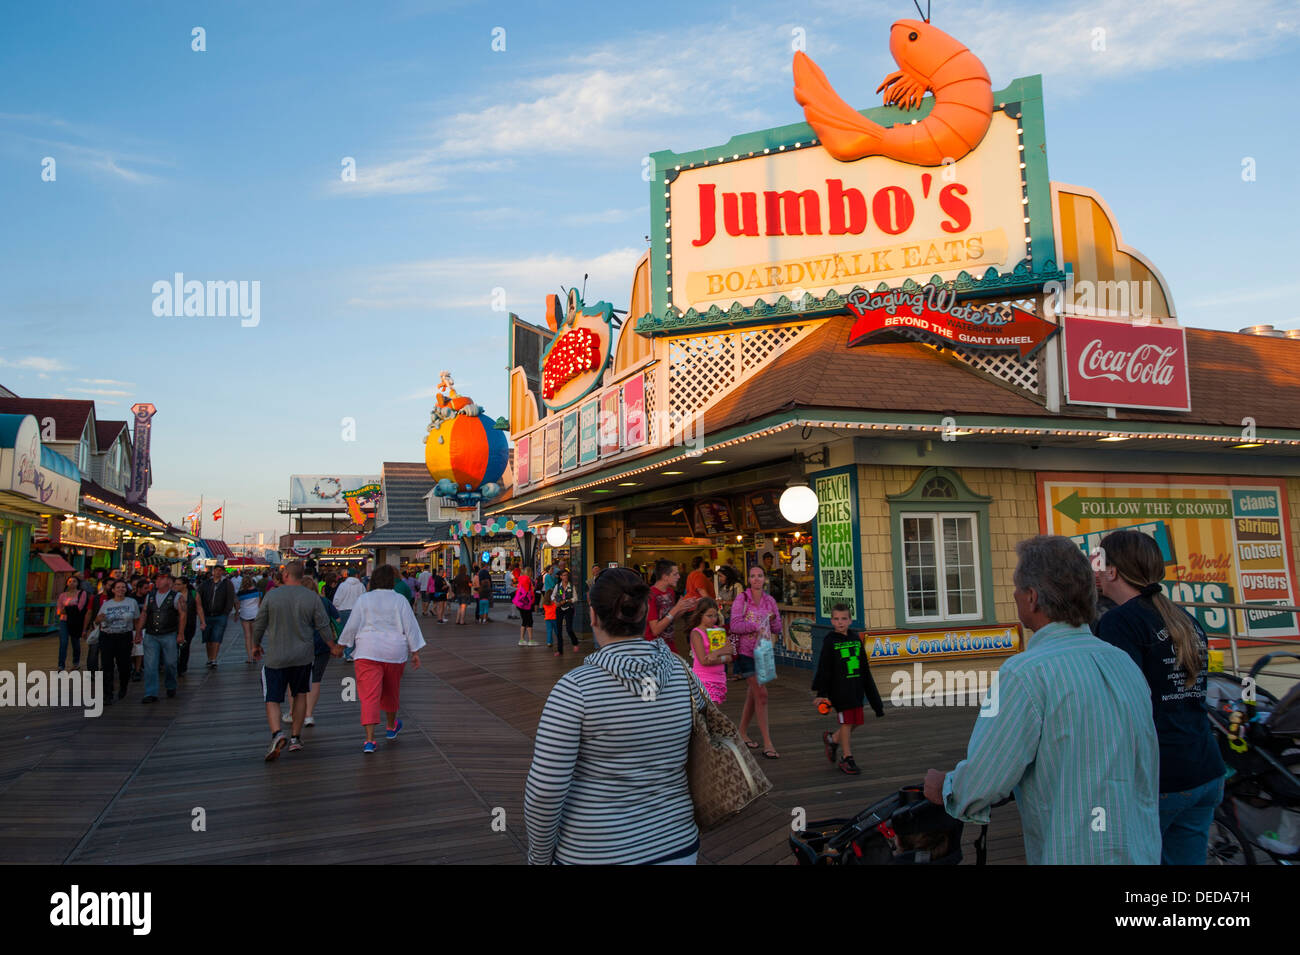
{"points": [[385, 633], [195, 623], [753, 616], [608, 784]]}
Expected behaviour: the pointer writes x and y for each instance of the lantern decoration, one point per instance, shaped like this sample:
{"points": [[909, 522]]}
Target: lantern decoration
{"points": [[465, 451], [574, 362]]}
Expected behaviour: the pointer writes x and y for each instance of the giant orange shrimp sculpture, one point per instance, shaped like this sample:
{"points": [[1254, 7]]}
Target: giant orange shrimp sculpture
{"points": [[930, 60]]}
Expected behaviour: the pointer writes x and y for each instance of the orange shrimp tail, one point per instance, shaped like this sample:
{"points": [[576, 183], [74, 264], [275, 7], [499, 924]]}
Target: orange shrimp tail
{"points": [[846, 133]]}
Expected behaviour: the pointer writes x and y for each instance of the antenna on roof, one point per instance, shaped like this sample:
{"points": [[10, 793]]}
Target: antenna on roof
{"points": [[584, 286]]}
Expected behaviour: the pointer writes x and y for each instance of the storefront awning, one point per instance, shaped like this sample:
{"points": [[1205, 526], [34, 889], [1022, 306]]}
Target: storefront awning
{"points": [[57, 564], [216, 549]]}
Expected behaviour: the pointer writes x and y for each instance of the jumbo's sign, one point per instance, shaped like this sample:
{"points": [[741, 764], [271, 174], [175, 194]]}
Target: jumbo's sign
{"points": [[861, 200], [1126, 366]]}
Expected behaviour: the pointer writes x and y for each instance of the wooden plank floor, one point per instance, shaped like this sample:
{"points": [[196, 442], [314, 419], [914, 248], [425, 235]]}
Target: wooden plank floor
{"points": [[123, 788]]}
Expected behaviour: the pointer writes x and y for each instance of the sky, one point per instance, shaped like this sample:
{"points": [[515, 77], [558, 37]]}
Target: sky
{"points": [[498, 153]]}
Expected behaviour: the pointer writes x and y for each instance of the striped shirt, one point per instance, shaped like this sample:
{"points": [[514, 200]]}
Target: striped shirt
{"points": [[608, 781], [1072, 737]]}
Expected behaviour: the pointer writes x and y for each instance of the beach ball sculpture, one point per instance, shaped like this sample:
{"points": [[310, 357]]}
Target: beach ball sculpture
{"points": [[464, 449]]}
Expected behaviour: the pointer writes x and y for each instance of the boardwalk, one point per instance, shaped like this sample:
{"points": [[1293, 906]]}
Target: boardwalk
{"points": [[124, 788]]}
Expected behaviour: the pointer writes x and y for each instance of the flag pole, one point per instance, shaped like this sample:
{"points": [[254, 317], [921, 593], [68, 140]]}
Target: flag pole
{"points": [[223, 518]]}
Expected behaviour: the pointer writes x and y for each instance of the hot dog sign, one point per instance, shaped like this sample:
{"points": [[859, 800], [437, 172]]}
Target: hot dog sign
{"points": [[945, 184]]}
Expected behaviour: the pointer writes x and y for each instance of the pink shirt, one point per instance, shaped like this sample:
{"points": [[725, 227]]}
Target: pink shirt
{"points": [[749, 620]]}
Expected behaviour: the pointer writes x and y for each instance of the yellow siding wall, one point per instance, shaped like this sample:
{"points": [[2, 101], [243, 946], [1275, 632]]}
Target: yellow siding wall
{"points": [[1013, 516]]}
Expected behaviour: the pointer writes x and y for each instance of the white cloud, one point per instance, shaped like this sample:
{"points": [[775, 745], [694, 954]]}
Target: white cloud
{"points": [[610, 103], [104, 392], [34, 363], [1058, 39], [467, 284], [107, 381]]}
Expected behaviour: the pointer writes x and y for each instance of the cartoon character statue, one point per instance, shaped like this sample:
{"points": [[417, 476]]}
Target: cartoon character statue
{"points": [[465, 451]]}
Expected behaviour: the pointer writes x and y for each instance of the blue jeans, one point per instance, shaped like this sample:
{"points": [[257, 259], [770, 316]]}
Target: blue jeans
{"points": [[550, 632], [1185, 819], [215, 631], [64, 637], [164, 643]]}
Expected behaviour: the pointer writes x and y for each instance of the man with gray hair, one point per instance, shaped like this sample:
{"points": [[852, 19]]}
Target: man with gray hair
{"points": [[1073, 736]]}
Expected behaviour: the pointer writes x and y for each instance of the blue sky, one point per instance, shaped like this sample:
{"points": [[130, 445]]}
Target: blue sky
{"points": [[517, 169]]}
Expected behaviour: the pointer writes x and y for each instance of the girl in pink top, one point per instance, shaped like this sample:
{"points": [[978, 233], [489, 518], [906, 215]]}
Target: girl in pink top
{"points": [[754, 616], [710, 665]]}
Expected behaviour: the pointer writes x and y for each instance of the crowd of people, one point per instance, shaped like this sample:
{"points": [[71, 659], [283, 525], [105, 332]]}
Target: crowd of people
{"points": [[1098, 731]]}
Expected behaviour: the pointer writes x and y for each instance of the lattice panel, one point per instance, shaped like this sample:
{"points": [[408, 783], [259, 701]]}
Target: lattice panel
{"points": [[700, 370], [703, 369], [652, 424], [1004, 364], [759, 345]]}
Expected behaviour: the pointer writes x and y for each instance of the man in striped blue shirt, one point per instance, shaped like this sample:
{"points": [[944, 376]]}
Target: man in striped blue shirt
{"points": [[1072, 735]]}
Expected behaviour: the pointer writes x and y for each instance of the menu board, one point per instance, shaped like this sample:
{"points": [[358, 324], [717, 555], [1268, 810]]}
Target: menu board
{"points": [[569, 441], [713, 517], [588, 432], [835, 536], [553, 449], [765, 509], [1224, 539]]}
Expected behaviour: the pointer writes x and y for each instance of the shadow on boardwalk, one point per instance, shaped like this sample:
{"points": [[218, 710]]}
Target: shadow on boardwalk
{"points": [[125, 787]]}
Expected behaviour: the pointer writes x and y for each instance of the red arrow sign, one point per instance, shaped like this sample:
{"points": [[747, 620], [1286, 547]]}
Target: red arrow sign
{"points": [[965, 326]]}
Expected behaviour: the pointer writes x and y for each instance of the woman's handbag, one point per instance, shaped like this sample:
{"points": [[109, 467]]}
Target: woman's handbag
{"points": [[724, 776]]}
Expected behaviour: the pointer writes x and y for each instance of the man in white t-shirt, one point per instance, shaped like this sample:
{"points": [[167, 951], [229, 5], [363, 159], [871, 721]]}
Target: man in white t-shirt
{"points": [[422, 590]]}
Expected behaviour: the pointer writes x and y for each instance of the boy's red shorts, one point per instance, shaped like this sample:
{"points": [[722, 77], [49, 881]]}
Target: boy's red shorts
{"points": [[851, 717]]}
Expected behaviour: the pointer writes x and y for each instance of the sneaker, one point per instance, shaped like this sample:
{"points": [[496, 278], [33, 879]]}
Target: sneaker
{"points": [[295, 744], [828, 740], [211, 665], [150, 699], [278, 742], [309, 721], [392, 733], [849, 767], [368, 748], [522, 643]]}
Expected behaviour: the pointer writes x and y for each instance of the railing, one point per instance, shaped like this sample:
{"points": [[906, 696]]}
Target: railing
{"points": [[1232, 631]]}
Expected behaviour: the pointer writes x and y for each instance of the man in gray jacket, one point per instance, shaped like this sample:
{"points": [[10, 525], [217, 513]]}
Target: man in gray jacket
{"points": [[286, 620]]}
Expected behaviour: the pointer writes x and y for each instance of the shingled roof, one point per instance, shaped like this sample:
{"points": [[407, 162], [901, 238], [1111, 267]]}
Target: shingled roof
{"points": [[1233, 376], [69, 414], [405, 486], [106, 433]]}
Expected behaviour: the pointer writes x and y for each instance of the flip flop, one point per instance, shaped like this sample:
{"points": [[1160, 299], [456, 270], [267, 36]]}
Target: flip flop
{"points": [[751, 744], [771, 754]]}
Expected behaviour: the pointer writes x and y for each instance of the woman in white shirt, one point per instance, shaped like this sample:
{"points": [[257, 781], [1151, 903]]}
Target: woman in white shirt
{"points": [[249, 599], [384, 632]]}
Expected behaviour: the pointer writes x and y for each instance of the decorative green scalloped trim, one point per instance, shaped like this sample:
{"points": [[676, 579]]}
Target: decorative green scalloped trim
{"points": [[673, 322], [1022, 99]]}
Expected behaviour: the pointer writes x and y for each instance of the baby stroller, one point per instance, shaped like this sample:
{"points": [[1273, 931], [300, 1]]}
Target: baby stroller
{"points": [[1259, 818], [904, 828]]}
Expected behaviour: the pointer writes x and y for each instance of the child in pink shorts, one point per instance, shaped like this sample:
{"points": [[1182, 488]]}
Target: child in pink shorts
{"points": [[710, 657]]}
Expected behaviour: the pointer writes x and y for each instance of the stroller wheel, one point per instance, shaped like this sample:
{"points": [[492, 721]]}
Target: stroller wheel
{"points": [[1226, 846]]}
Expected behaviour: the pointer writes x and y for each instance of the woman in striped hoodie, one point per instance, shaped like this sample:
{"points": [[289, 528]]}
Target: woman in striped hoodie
{"points": [[608, 781]]}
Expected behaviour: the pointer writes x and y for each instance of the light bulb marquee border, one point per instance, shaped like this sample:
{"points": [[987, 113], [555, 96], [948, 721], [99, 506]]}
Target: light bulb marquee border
{"points": [[1022, 100]]}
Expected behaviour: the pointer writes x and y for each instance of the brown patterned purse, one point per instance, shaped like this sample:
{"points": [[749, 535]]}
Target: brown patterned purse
{"points": [[724, 776]]}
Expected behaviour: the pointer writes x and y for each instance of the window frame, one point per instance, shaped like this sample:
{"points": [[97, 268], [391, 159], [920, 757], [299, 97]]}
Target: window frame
{"points": [[936, 519], [911, 503]]}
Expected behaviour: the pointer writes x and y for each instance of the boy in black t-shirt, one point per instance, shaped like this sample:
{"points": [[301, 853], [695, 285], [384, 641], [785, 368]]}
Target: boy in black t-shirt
{"points": [[841, 680]]}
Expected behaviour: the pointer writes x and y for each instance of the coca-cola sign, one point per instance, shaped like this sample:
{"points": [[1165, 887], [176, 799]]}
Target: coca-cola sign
{"points": [[1123, 365]]}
